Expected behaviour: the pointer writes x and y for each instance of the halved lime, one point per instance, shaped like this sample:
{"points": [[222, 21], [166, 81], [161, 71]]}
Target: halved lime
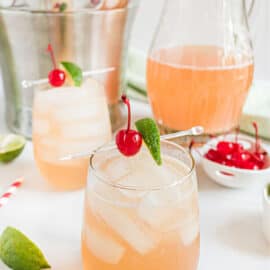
{"points": [[20, 253], [11, 146], [74, 73], [151, 136]]}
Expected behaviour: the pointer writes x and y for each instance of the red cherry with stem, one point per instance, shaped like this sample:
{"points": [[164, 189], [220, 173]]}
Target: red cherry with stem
{"points": [[214, 155], [233, 154], [257, 142], [259, 157], [57, 76], [226, 148], [238, 147], [250, 165], [241, 156], [128, 141], [240, 159]]}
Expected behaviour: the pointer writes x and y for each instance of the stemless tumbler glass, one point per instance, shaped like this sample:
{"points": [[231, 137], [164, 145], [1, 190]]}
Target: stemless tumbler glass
{"points": [[68, 120], [200, 65], [139, 215]]}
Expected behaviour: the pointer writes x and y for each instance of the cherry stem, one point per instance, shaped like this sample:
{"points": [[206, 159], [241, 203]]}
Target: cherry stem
{"points": [[257, 145], [192, 143], [50, 50], [126, 101]]}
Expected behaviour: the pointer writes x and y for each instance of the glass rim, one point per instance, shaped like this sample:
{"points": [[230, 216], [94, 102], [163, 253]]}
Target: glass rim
{"points": [[74, 12], [180, 181]]}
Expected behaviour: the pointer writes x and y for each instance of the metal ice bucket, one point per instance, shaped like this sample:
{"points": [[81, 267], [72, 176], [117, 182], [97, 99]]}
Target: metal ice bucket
{"points": [[94, 39]]}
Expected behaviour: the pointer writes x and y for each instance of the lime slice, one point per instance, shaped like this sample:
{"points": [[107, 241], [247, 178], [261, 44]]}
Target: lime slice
{"points": [[11, 147], [150, 133], [74, 72], [20, 253], [268, 190]]}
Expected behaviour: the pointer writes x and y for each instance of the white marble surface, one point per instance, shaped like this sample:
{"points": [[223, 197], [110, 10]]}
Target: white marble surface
{"points": [[231, 235]]}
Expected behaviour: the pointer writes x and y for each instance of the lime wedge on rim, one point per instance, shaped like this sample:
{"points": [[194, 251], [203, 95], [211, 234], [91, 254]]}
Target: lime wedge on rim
{"points": [[151, 136], [63, 7], [11, 146], [20, 253], [73, 72]]}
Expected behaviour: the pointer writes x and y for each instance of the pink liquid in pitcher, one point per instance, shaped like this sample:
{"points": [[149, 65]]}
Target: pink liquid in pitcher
{"points": [[198, 85]]}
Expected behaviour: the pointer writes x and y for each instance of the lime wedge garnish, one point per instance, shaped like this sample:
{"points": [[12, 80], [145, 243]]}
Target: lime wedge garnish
{"points": [[10, 147], [63, 7], [151, 136], [74, 72], [20, 253]]}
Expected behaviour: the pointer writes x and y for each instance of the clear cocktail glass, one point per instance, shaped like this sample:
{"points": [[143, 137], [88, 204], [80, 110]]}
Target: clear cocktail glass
{"points": [[139, 215], [68, 120]]}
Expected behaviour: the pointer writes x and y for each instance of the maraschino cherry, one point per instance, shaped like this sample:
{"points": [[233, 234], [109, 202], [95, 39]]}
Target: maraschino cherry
{"points": [[128, 141], [233, 154], [57, 76], [259, 155], [61, 7]]}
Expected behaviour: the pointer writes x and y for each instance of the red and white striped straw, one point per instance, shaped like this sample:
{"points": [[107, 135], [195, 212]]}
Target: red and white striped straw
{"points": [[10, 191]]}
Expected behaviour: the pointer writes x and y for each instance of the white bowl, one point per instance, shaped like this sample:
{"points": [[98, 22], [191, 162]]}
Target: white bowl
{"points": [[229, 176], [266, 215]]}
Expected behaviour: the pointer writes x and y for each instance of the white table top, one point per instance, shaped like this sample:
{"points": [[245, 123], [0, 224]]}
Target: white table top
{"points": [[231, 235]]}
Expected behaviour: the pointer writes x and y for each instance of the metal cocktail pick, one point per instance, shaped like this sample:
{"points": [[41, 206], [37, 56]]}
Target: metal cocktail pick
{"points": [[26, 83], [194, 131]]}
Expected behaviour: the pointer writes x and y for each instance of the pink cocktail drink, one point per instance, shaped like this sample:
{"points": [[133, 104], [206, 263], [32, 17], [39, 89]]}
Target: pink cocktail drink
{"points": [[69, 120], [139, 215]]}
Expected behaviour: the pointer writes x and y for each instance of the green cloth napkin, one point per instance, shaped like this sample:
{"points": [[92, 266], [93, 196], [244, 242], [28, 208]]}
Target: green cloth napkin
{"points": [[257, 107], [136, 75]]}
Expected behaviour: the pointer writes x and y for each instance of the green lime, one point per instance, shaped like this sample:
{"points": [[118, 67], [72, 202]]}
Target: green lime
{"points": [[150, 133], [74, 72], [63, 7], [268, 190], [20, 253], [11, 147]]}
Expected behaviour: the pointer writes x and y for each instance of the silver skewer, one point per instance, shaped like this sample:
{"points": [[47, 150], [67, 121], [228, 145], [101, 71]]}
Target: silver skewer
{"points": [[194, 131], [27, 84]]}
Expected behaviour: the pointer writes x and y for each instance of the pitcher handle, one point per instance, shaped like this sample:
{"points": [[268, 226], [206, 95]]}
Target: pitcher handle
{"points": [[251, 7]]}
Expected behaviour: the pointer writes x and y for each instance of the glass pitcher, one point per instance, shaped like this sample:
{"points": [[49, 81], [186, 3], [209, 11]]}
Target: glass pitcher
{"points": [[200, 65]]}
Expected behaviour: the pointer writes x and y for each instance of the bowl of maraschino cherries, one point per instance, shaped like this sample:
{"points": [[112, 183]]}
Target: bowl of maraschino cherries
{"points": [[236, 161]]}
